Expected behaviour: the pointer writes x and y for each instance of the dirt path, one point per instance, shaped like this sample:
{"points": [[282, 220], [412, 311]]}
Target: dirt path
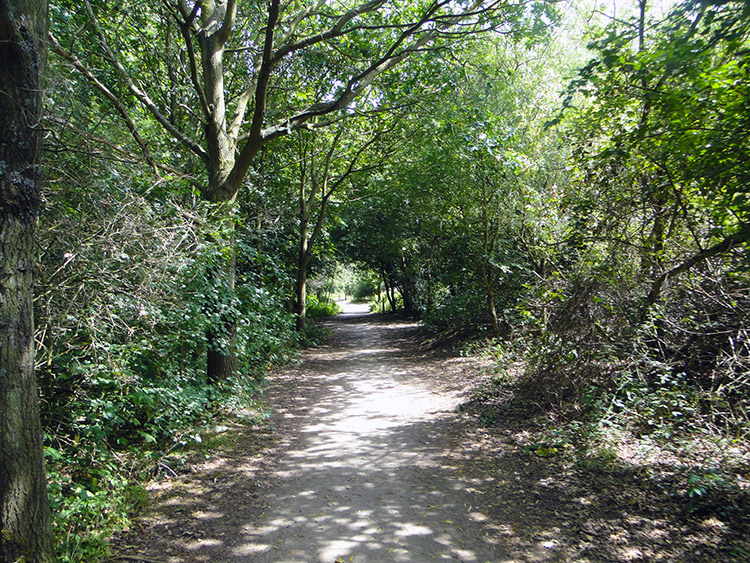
{"points": [[365, 477], [366, 460]]}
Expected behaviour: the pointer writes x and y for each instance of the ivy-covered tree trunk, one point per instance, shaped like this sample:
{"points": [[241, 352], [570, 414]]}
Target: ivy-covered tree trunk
{"points": [[221, 361], [221, 358], [24, 510]]}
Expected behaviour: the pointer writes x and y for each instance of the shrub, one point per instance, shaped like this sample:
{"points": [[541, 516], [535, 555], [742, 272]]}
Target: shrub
{"points": [[317, 308], [126, 295], [364, 289]]}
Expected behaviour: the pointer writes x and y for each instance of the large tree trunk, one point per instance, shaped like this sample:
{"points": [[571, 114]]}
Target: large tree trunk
{"points": [[24, 510], [221, 361]]}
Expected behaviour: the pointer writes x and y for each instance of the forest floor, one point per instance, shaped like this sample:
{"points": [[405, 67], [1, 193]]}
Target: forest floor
{"points": [[367, 457]]}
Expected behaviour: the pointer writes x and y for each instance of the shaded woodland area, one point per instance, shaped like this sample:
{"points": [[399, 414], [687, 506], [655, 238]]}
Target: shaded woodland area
{"points": [[562, 187]]}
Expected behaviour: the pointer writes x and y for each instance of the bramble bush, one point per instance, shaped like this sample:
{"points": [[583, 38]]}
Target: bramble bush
{"points": [[126, 293]]}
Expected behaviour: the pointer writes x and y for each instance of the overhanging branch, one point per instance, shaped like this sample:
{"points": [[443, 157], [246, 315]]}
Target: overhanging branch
{"points": [[139, 94], [107, 93], [740, 237]]}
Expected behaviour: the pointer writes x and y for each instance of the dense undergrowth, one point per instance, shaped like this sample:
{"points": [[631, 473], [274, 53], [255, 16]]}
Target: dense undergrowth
{"points": [[123, 316], [668, 398], [603, 252]]}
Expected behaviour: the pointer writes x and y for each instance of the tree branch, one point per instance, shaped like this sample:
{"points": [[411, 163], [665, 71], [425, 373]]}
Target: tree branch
{"points": [[281, 52], [124, 151], [129, 123], [336, 30], [357, 84], [185, 26], [139, 94], [228, 23], [264, 74], [299, 18], [354, 88], [419, 33], [740, 237]]}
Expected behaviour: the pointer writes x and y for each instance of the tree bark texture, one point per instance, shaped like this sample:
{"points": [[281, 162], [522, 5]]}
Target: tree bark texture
{"points": [[221, 363], [303, 262], [24, 509], [301, 300]]}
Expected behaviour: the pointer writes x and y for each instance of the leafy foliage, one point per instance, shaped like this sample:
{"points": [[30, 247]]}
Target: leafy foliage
{"points": [[474, 177], [317, 308]]}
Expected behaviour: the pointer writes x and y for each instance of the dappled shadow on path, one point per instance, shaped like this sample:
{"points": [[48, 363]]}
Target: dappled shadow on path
{"points": [[365, 477], [368, 479], [360, 470]]}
